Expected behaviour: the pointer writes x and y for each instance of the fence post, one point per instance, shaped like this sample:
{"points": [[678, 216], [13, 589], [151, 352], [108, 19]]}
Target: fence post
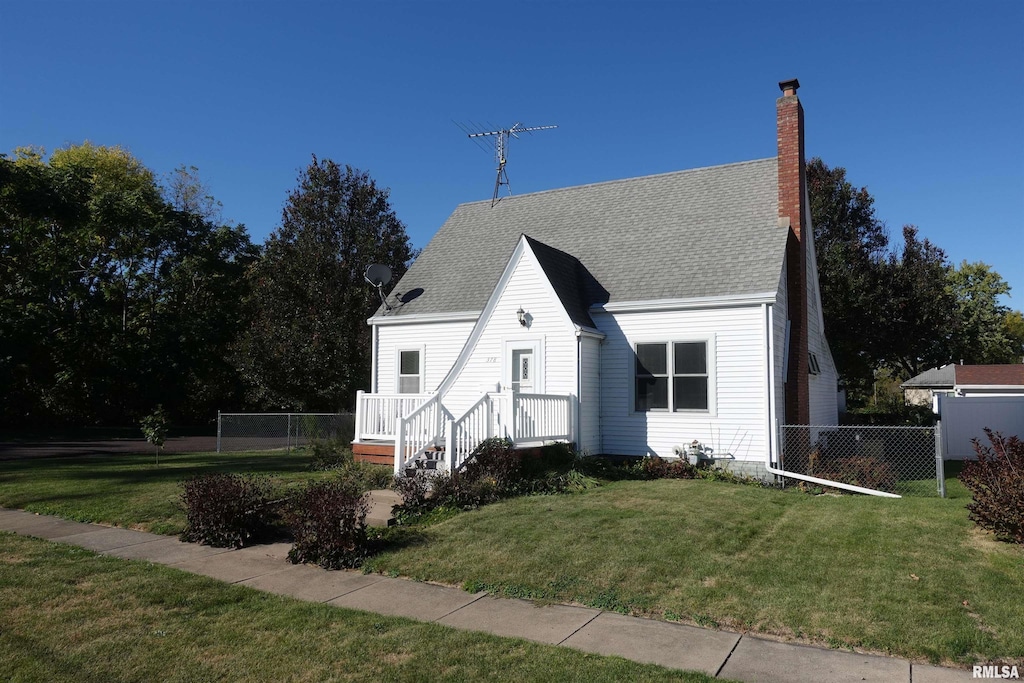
{"points": [[288, 435], [218, 431], [940, 465]]}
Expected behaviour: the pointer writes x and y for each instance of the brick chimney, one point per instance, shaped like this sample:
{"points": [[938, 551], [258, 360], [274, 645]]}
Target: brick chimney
{"points": [[792, 190]]}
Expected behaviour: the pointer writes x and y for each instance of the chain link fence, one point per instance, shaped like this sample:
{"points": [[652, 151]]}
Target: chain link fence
{"points": [[270, 431], [900, 460]]}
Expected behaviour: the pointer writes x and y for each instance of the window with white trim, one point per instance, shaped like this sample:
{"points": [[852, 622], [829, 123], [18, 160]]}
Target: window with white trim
{"points": [[672, 376], [410, 371]]}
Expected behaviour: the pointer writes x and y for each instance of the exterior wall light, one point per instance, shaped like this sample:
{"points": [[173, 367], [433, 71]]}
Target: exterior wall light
{"points": [[521, 315]]}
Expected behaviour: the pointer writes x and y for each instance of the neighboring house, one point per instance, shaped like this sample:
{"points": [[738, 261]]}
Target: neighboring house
{"points": [[964, 380], [630, 317]]}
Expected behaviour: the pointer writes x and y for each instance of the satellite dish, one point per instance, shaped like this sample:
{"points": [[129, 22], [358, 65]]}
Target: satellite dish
{"points": [[377, 274]]}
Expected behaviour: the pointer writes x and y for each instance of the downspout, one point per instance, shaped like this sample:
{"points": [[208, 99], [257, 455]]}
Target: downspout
{"points": [[772, 454], [578, 428]]}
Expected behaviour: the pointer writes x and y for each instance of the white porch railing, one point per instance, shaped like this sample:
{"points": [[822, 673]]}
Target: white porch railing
{"points": [[417, 432], [524, 418], [377, 415], [541, 417], [416, 423], [463, 435]]}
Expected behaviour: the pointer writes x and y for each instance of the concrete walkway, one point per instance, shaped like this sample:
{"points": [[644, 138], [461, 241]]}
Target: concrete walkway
{"points": [[717, 653]]}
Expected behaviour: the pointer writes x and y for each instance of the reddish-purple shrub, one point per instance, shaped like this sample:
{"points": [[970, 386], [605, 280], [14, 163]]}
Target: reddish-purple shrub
{"points": [[996, 482], [225, 510], [653, 467], [866, 471], [328, 524]]}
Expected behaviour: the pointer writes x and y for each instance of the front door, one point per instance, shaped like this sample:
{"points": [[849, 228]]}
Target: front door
{"points": [[523, 371]]}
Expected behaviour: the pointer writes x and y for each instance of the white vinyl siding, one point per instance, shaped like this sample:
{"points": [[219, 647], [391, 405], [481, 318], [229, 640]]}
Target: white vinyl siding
{"points": [[737, 424], [589, 438], [556, 342], [822, 386], [780, 315], [440, 344]]}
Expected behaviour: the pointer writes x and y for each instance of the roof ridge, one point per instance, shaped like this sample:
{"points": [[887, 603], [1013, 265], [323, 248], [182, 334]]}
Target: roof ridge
{"points": [[617, 181]]}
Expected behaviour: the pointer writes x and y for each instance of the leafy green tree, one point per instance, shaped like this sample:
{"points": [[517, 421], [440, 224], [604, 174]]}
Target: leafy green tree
{"points": [[100, 290], [154, 428], [1013, 328], [186, 192], [307, 345], [850, 245], [984, 336], [921, 322]]}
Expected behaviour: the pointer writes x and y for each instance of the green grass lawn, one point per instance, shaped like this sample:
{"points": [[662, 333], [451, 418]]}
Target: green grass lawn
{"points": [[909, 577], [130, 490], [72, 615]]}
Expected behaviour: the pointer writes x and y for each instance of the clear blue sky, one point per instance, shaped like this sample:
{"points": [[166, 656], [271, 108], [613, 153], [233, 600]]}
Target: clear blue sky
{"points": [[922, 102]]}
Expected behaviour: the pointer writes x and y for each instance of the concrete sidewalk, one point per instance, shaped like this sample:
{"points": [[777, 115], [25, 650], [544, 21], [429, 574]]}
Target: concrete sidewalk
{"points": [[717, 653]]}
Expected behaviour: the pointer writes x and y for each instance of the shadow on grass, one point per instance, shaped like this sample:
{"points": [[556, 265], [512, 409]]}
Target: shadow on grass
{"points": [[142, 468]]}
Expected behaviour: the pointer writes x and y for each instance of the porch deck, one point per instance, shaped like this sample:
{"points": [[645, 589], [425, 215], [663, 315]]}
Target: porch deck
{"points": [[402, 429], [376, 452]]}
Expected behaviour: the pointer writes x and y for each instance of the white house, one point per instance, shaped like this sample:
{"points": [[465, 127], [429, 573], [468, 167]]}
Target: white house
{"points": [[630, 317]]}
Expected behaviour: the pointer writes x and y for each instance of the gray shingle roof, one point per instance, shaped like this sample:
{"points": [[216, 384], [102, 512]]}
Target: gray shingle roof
{"points": [[697, 233], [575, 287], [936, 377]]}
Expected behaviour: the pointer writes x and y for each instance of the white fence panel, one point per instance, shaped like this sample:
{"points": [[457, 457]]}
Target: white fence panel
{"points": [[965, 417]]}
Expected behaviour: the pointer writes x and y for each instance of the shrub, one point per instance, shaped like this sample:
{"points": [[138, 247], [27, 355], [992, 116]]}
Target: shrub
{"points": [[495, 459], [867, 471], [225, 510], [365, 476], [653, 467], [413, 490], [328, 523], [463, 490], [329, 455], [572, 481], [542, 463], [996, 483]]}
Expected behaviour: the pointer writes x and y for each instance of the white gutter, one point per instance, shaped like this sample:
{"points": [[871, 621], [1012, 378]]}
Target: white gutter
{"points": [[461, 316], [773, 452], [684, 304]]}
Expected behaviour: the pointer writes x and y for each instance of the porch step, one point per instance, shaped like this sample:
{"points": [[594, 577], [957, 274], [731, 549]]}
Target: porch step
{"points": [[381, 502], [422, 466]]}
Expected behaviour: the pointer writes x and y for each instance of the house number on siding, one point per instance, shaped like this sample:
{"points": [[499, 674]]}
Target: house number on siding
{"points": [[492, 359]]}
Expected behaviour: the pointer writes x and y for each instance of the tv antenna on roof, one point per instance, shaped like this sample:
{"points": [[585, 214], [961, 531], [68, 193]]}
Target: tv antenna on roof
{"points": [[378, 275], [501, 140]]}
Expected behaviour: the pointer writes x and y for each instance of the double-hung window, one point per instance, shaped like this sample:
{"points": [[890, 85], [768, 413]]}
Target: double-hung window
{"points": [[410, 371], [672, 376]]}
